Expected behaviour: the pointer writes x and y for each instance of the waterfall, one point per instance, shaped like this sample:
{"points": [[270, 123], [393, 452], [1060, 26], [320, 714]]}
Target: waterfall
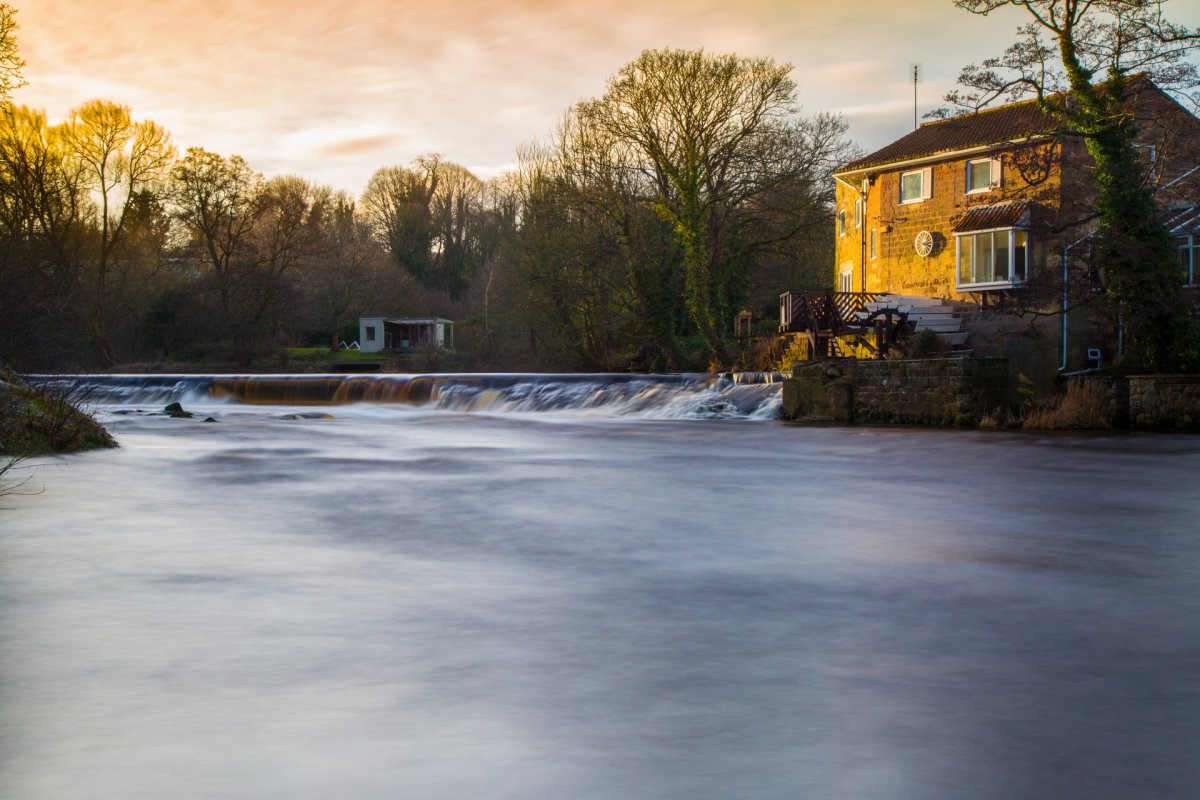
{"points": [[684, 396]]}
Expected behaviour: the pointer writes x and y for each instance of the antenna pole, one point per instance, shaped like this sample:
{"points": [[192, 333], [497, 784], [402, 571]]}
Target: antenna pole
{"points": [[916, 75]]}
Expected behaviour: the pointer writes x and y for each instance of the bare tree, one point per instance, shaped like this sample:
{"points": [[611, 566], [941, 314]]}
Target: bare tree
{"points": [[703, 130], [346, 266], [45, 229], [10, 57], [120, 158], [398, 203], [217, 200]]}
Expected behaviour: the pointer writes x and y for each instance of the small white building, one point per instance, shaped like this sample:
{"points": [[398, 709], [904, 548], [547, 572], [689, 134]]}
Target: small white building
{"points": [[405, 334]]}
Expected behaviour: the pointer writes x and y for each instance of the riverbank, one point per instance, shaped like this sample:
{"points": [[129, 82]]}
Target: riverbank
{"points": [[40, 419]]}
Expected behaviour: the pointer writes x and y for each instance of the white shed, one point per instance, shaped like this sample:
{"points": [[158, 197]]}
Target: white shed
{"points": [[404, 334]]}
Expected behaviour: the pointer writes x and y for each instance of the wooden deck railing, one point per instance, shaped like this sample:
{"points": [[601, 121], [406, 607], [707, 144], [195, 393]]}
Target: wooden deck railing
{"points": [[824, 316]]}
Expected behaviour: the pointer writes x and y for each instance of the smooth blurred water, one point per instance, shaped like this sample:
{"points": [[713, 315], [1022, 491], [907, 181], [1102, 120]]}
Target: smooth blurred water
{"points": [[404, 602]]}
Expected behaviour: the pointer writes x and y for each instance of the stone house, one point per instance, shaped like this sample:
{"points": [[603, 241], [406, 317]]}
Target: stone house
{"points": [[991, 213]]}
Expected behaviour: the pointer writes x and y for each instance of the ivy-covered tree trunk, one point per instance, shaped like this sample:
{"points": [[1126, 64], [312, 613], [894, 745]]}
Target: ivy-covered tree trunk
{"points": [[1142, 278]]}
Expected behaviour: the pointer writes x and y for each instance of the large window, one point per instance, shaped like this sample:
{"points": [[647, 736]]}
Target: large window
{"points": [[992, 259], [1189, 259], [983, 174], [916, 186]]}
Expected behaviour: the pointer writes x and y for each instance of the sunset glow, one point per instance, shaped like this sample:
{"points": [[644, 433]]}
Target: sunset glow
{"points": [[332, 91]]}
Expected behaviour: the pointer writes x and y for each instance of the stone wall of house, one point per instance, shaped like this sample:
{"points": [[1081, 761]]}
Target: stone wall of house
{"points": [[952, 391], [896, 267]]}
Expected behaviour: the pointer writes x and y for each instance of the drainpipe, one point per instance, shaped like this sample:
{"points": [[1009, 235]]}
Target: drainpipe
{"points": [[862, 231], [1066, 251]]}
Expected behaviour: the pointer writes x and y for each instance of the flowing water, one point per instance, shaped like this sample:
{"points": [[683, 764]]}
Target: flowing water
{"points": [[591, 587]]}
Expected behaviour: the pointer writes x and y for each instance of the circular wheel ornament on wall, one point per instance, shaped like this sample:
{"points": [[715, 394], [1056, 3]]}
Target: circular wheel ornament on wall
{"points": [[923, 244]]}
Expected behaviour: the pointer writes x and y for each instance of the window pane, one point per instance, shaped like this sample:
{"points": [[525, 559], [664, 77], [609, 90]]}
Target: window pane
{"points": [[910, 186], [1019, 255], [966, 271], [1000, 246], [983, 257], [979, 175]]}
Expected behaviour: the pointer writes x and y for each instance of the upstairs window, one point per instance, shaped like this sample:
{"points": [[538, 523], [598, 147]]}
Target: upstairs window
{"points": [[841, 222], [916, 186], [872, 248], [983, 174], [858, 213]]}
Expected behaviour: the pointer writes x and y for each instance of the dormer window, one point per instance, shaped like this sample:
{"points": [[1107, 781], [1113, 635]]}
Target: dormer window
{"points": [[916, 186], [983, 174]]}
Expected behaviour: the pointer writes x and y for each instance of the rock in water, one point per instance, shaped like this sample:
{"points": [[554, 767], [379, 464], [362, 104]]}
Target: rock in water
{"points": [[176, 410]]}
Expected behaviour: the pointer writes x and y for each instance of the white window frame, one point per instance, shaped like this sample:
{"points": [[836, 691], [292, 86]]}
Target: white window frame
{"points": [[841, 222], [873, 244], [995, 171], [926, 185], [1190, 245], [858, 213], [846, 279], [1011, 281]]}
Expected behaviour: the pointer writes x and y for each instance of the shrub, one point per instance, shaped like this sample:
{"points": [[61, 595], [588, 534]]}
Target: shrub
{"points": [[1080, 407]]}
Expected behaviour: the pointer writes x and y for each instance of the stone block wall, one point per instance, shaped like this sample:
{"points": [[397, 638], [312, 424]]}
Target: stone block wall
{"points": [[1165, 402], [950, 391]]}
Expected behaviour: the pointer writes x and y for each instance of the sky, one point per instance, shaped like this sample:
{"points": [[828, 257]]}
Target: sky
{"points": [[332, 90]]}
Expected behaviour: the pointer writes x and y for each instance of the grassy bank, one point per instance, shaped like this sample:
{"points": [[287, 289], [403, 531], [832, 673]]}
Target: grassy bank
{"points": [[40, 419]]}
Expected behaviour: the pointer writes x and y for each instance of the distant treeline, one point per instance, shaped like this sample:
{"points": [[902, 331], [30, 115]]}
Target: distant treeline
{"points": [[629, 238]]}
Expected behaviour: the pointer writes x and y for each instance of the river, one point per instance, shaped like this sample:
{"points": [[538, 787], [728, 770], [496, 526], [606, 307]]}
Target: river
{"points": [[550, 588]]}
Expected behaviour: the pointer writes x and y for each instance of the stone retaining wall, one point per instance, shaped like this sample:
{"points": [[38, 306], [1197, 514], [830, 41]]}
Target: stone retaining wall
{"points": [[1164, 401], [949, 391]]}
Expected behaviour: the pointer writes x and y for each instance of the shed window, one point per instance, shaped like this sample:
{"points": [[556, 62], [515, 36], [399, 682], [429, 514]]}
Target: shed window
{"points": [[370, 331]]}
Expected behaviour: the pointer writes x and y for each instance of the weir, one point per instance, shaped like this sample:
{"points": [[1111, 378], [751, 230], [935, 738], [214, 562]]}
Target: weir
{"points": [[754, 395]]}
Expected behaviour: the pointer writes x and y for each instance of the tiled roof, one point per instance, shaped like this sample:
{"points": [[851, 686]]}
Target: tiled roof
{"points": [[990, 126], [1001, 215]]}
